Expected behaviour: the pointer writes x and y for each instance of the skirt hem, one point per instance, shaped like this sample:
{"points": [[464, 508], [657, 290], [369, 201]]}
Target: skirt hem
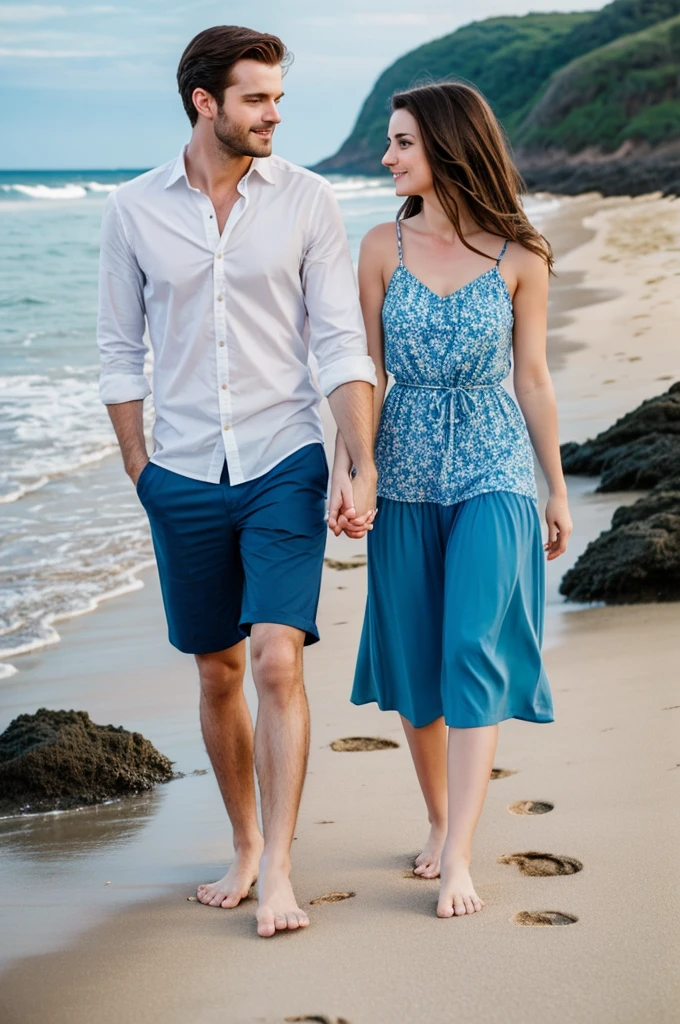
{"points": [[546, 719]]}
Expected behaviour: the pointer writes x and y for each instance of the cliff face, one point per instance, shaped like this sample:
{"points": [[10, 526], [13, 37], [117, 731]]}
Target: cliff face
{"points": [[570, 89]]}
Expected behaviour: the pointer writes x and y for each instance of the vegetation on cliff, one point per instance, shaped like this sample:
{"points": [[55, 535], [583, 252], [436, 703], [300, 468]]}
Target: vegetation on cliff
{"points": [[560, 82]]}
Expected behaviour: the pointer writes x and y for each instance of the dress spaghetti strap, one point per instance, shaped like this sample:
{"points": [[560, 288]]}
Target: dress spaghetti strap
{"points": [[399, 244], [502, 252]]}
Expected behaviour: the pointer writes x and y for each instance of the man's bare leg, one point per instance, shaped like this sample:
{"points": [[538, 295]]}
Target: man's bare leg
{"points": [[228, 734], [428, 750], [470, 759], [281, 751]]}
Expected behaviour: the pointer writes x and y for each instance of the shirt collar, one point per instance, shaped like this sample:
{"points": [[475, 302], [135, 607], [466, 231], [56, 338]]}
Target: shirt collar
{"points": [[261, 165]]}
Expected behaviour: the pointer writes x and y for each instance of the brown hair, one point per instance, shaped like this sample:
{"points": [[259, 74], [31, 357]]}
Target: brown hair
{"points": [[210, 56], [466, 148]]}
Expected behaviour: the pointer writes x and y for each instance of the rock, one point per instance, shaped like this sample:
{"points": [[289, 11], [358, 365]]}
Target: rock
{"points": [[658, 500], [643, 463], [638, 560], [53, 760], [640, 450]]}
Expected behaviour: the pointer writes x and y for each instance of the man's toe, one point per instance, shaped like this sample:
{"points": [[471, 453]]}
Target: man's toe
{"points": [[292, 921]]}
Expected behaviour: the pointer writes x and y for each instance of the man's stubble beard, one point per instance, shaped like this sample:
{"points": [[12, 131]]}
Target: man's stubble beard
{"points": [[241, 141]]}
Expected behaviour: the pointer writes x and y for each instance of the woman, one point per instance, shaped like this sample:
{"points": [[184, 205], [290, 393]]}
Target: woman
{"points": [[454, 616]]}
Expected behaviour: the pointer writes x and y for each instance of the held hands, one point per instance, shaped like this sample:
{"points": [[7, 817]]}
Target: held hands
{"points": [[559, 526], [352, 503]]}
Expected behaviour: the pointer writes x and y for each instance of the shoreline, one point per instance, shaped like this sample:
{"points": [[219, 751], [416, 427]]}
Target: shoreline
{"points": [[606, 764]]}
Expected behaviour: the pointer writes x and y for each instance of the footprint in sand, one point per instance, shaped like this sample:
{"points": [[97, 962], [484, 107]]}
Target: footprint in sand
{"points": [[530, 807], [318, 1018], [354, 743], [333, 897], [542, 865], [354, 563], [501, 773], [543, 917]]}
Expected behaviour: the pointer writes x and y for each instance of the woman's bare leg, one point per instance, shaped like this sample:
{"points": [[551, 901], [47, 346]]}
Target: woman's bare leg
{"points": [[470, 760], [428, 750]]}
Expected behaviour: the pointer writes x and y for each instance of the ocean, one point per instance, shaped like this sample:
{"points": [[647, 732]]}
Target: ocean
{"points": [[71, 530]]}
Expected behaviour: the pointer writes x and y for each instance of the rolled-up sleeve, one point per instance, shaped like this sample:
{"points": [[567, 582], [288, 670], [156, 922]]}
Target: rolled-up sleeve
{"points": [[120, 324], [337, 337]]}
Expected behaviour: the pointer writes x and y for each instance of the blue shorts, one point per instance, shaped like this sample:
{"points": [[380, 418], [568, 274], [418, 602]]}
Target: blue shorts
{"points": [[230, 556]]}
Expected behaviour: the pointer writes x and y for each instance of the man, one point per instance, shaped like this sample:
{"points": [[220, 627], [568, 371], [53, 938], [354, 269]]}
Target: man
{"points": [[238, 262]]}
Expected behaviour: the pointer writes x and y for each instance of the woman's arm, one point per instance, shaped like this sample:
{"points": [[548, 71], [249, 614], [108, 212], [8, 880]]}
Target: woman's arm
{"points": [[371, 296], [535, 393]]}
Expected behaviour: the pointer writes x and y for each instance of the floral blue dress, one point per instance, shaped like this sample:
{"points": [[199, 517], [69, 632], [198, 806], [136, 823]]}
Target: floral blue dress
{"points": [[455, 607]]}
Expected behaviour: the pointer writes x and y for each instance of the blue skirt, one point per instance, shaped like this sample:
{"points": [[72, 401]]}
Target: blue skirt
{"points": [[454, 616]]}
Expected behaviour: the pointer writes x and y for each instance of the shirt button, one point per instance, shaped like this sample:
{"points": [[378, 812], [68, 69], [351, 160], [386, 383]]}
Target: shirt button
{"points": [[221, 344], [218, 256], [219, 298], [227, 427], [224, 387]]}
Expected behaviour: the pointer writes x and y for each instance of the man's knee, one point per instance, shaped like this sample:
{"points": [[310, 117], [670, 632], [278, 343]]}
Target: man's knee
{"points": [[221, 674], [276, 653]]}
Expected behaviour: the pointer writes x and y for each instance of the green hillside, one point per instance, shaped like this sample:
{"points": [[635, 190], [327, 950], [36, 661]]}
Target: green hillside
{"points": [[565, 80], [629, 89]]}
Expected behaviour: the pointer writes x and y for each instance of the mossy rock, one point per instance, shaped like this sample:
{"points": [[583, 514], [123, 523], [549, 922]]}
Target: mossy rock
{"points": [[54, 760]]}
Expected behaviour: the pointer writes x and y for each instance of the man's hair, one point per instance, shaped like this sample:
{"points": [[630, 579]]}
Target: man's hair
{"points": [[209, 59]]}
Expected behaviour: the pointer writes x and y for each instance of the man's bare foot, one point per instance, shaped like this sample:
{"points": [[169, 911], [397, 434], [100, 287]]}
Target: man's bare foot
{"points": [[235, 885], [278, 910], [457, 894], [427, 862]]}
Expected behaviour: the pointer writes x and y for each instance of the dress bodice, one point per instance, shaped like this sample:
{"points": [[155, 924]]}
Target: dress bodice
{"points": [[449, 430]]}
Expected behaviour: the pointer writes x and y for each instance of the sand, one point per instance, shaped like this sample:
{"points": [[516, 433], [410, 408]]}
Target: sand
{"points": [[99, 925]]}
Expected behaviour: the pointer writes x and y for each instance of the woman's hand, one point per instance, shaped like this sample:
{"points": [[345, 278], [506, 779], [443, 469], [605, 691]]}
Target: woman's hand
{"points": [[559, 526]]}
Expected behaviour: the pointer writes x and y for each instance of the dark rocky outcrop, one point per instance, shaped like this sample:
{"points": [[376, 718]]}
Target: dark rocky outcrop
{"points": [[641, 450], [637, 560], [53, 760]]}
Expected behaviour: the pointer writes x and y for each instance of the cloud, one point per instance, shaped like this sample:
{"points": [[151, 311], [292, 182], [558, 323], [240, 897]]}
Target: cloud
{"points": [[30, 12], [405, 20], [38, 54], [47, 12]]}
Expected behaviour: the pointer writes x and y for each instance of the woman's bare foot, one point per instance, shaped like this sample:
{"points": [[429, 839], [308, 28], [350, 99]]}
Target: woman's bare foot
{"points": [[457, 894], [278, 910], [235, 885], [427, 862]]}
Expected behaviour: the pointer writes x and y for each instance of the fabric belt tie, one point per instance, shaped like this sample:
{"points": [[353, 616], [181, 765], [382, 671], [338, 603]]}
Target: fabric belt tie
{"points": [[453, 389]]}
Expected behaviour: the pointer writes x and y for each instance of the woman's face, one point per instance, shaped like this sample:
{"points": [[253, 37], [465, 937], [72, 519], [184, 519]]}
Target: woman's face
{"points": [[405, 156]]}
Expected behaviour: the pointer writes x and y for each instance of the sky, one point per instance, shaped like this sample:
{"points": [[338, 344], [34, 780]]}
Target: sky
{"points": [[87, 86]]}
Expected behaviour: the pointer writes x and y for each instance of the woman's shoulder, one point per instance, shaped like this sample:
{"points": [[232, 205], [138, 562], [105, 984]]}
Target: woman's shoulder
{"points": [[380, 237]]}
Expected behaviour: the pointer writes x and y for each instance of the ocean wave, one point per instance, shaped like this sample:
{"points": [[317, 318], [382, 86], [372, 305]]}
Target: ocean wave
{"points": [[62, 555], [67, 190], [50, 426]]}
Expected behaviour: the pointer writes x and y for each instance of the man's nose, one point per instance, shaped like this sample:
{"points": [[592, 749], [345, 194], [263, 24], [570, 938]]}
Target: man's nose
{"points": [[273, 115]]}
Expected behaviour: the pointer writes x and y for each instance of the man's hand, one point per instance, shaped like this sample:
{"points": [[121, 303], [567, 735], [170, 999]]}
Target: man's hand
{"points": [[341, 499], [355, 515], [135, 469]]}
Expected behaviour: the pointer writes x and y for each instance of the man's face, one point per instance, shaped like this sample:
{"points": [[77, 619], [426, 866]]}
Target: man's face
{"points": [[249, 113]]}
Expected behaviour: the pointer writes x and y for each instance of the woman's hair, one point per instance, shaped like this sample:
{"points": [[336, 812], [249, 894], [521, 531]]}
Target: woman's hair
{"points": [[467, 149], [210, 56]]}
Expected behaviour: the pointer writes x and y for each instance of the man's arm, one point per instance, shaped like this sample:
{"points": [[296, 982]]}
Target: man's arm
{"points": [[128, 422], [338, 341], [120, 338]]}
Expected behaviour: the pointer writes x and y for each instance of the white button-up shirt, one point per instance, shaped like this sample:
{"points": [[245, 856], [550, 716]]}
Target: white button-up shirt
{"points": [[232, 318]]}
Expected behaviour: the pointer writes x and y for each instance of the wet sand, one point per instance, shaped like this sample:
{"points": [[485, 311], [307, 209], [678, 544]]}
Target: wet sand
{"points": [[97, 922]]}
